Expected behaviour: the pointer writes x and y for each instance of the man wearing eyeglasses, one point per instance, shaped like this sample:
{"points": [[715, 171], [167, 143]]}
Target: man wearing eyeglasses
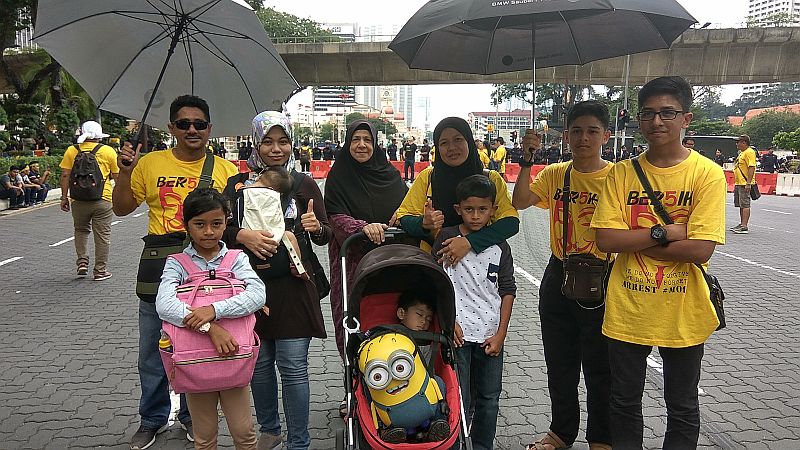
{"points": [[163, 180], [657, 294]]}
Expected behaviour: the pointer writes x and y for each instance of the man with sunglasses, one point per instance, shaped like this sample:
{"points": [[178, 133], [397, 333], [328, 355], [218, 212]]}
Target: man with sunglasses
{"points": [[657, 294], [163, 179]]}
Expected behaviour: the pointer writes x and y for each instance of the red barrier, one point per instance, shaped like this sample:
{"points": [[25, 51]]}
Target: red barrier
{"points": [[320, 169], [398, 165], [767, 182], [420, 166], [243, 166], [512, 172], [730, 179]]}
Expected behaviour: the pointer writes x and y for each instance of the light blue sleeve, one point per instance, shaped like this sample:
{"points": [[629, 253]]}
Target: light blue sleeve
{"points": [[168, 306], [250, 300]]}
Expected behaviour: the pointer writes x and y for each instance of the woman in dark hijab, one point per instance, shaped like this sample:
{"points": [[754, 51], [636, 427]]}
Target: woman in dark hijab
{"points": [[428, 206], [362, 193]]}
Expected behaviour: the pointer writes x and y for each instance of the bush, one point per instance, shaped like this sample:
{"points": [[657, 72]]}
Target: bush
{"points": [[45, 163]]}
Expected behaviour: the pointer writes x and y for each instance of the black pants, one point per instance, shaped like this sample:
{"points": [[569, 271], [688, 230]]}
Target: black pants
{"points": [[681, 377], [409, 164], [15, 197], [305, 166], [572, 338]]}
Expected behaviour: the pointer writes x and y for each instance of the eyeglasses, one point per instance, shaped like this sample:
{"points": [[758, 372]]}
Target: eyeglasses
{"points": [[184, 124], [667, 114]]}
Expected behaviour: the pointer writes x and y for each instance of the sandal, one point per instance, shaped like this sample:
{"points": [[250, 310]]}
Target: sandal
{"points": [[550, 439], [599, 446]]}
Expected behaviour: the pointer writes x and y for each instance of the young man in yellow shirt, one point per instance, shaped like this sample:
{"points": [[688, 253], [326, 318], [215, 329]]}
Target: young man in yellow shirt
{"points": [[571, 331], [657, 295], [163, 179], [744, 173]]}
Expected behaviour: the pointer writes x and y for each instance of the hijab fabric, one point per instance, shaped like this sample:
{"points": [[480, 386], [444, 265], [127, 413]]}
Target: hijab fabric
{"points": [[370, 191], [444, 178], [262, 124]]}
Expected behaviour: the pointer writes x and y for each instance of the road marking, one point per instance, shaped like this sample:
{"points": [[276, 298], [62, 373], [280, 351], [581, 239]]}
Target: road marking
{"points": [[115, 222], [527, 276], [10, 260], [757, 264], [778, 212], [771, 228], [63, 242], [139, 214]]}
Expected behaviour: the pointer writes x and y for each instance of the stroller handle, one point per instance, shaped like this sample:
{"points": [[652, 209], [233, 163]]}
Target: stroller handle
{"points": [[389, 233]]}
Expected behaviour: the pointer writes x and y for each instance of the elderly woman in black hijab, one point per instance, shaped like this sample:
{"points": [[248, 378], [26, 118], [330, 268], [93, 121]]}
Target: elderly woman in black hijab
{"points": [[362, 193], [428, 206]]}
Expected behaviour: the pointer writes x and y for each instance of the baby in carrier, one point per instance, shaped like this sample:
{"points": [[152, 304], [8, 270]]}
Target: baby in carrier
{"points": [[265, 211]]}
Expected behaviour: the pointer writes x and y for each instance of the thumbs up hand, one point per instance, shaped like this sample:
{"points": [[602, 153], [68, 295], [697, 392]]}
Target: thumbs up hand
{"points": [[433, 218], [309, 219]]}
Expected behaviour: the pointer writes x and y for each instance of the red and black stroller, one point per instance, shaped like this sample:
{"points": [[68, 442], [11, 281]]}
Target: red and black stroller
{"points": [[381, 276]]}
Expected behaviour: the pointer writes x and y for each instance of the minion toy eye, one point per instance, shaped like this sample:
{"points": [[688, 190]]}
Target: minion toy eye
{"points": [[402, 365], [377, 375]]}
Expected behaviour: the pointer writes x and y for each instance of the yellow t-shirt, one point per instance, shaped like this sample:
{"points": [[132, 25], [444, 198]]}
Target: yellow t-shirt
{"points": [[499, 155], [585, 189], [414, 202], [106, 159], [744, 161], [654, 302], [484, 156], [164, 181]]}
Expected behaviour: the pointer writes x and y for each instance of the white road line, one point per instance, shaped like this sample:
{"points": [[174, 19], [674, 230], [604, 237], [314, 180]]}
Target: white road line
{"points": [[757, 264], [778, 212], [115, 222], [10, 260], [771, 228], [63, 242], [139, 214], [527, 276]]}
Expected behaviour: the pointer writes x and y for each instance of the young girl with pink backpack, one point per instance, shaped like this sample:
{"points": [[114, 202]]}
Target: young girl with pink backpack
{"points": [[207, 298]]}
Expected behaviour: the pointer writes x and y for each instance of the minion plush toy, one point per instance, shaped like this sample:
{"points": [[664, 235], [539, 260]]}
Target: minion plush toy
{"points": [[406, 401]]}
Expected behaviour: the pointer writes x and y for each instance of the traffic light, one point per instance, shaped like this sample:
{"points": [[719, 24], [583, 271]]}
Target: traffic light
{"points": [[514, 136], [624, 117], [558, 114]]}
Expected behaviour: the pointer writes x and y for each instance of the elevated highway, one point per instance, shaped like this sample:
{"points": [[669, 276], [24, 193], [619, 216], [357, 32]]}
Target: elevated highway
{"points": [[704, 57]]}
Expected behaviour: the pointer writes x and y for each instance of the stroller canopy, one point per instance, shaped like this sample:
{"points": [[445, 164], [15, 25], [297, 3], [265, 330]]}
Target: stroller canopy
{"points": [[398, 268]]}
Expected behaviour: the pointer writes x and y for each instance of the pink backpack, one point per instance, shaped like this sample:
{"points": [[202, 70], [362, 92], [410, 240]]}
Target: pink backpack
{"points": [[194, 365]]}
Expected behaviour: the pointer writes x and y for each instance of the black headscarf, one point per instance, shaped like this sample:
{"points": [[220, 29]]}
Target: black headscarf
{"points": [[369, 191], [445, 178]]}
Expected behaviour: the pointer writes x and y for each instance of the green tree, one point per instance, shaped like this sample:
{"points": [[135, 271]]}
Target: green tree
{"points": [[778, 19], [788, 140], [327, 132], [282, 25], [5, 137], [353, 116], [763, 128]]}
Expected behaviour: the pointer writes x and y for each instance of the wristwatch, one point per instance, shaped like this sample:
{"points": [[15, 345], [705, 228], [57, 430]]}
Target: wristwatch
{"points": [[525, 163], [659, 234], [204, 328]]}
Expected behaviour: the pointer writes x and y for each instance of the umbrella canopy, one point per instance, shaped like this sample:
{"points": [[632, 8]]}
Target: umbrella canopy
{"points": [[215, 49], [487, 37]]}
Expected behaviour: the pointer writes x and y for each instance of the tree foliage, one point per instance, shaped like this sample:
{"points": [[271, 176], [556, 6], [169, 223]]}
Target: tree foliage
{"points": [[387, 127], [281, 24], [327, 132], [763, 128], [788, 140]]}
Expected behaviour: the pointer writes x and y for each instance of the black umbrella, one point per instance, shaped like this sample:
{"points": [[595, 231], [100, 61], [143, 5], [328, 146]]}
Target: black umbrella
{"points": [[487, 37]]}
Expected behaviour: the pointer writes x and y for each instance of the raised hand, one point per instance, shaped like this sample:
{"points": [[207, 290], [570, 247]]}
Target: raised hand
{"points": [[433, 218]]}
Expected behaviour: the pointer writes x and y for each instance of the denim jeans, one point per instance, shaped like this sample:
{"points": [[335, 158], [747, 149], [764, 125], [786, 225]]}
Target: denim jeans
{"points": [[291, 357], [681, 377], [573, 338], [485, 387], [408, 165], [154, 405]]}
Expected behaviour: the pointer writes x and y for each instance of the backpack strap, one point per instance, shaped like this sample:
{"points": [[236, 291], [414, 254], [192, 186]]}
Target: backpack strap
{"points": [[565, 195], [206, 176], [188, 265], [226, 265], [97, 148]]}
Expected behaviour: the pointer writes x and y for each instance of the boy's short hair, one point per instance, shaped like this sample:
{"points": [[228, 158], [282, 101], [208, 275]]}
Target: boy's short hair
{"points": [[476, 186], [589, 108], [278, 178], [12, 168], [33, 162], [674, 86], [744, 138], [500, 140], [203, 200], [687, 139], [190, 101], [410, 298]]}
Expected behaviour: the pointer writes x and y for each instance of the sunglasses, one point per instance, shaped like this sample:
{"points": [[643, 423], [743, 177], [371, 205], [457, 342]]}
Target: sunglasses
{"points": [[184, 124]]}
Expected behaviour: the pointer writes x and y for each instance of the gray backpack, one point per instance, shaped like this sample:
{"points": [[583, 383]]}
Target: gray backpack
{"points": [[86, 181]]}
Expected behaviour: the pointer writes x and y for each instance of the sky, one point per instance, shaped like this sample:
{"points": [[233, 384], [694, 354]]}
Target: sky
{"points": [[459, 100]]}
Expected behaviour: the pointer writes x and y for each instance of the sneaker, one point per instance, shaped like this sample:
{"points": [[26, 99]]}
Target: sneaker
{"points": [[393, 435], [103, 276], [741, 230], [186, 426], [268, 441], [83, 270], [145, 437], [736, 228], [438, 430]]}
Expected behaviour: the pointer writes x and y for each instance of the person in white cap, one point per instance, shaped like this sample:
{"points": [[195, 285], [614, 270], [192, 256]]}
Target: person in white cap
{"points": [[86, 170]]}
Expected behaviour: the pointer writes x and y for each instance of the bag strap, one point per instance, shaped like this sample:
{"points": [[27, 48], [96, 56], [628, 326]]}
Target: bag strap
{"points": [[657, 206], [226, 265], [207, 175], [188, 265], [565, 195], [96, 148]]}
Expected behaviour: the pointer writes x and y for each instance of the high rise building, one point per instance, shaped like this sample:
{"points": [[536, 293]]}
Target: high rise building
{"points": [[501, 122], [763, 11], [402, 98]]}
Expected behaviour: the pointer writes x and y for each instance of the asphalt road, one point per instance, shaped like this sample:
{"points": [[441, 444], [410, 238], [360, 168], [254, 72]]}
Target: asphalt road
{"points": [[68, 361]]}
